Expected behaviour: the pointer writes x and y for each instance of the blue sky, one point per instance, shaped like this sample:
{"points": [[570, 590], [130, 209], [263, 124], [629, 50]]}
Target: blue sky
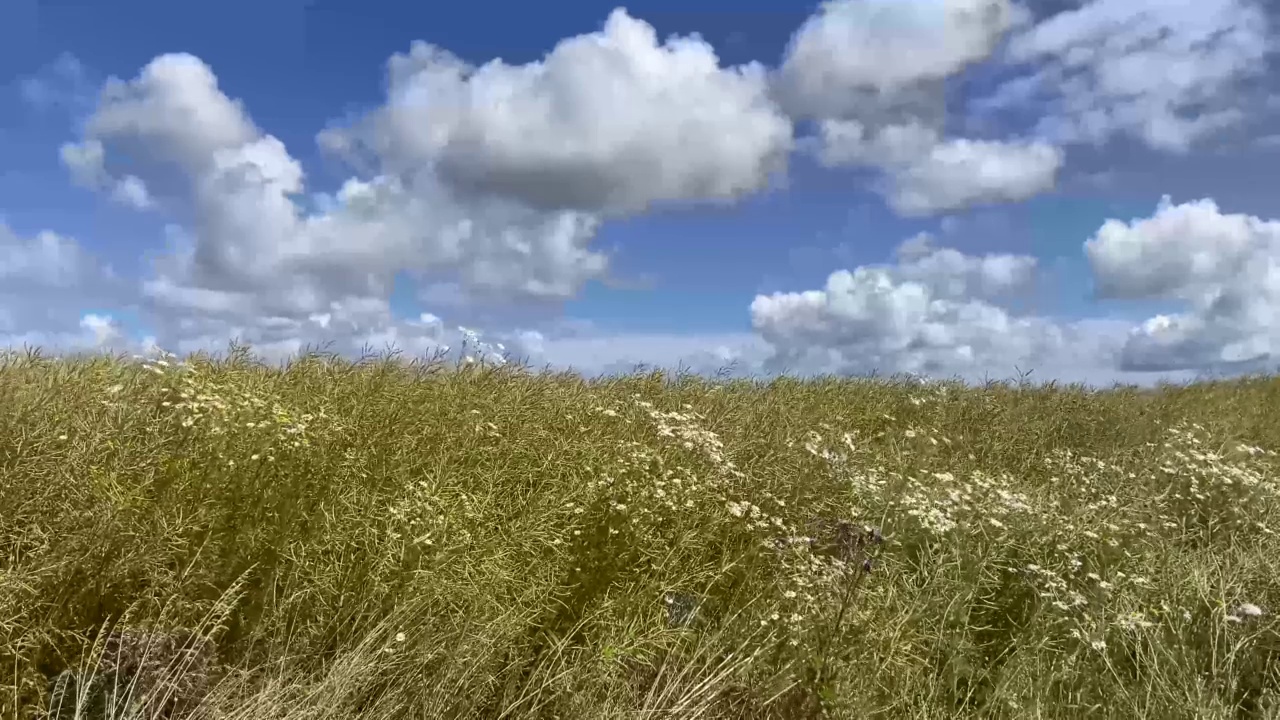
{"points": [[695, 182]]}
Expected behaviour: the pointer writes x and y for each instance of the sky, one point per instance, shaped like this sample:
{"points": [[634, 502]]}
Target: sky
{"points": [[1082, 189]]}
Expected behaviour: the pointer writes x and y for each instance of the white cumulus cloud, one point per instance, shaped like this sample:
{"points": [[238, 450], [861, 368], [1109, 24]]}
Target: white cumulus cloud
{"points": [[610, 121], [959, 173], [925, 174], [250, 250], [933, 313], [487, 183], [1225, 269]]}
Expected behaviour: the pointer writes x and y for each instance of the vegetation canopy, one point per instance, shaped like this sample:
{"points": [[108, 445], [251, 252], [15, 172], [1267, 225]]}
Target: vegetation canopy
{"points": [[216, 538]]}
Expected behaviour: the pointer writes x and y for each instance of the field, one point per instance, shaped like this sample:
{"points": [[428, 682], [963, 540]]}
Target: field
{"points": [[379, 540]]}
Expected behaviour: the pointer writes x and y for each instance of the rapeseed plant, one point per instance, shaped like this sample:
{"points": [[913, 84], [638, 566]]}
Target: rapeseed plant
{"points": [[390, 539]]}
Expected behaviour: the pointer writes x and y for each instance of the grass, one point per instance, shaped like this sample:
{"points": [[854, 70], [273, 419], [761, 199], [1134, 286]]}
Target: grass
{"points": [[375, 540]]}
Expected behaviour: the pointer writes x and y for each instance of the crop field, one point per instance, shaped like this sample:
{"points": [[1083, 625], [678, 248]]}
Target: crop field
{"points": [[335, 540]]}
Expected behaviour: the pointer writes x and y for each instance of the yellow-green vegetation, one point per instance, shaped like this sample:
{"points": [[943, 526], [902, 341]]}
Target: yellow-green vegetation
{"points": [[383, 540]]}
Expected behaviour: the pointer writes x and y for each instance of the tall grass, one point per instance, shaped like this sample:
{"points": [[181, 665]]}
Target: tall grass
{"points": [[221, 539]]}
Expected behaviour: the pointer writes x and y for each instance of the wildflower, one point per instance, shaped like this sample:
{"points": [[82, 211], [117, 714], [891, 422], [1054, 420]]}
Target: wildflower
{"points": [[1249, 610], [1135, 621]]}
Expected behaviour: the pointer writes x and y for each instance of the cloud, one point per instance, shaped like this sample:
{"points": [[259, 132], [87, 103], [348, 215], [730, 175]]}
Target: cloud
{"points": [[931, 313], [856, 53], [46, 260], [253, 266], [925, 174], [1167, 74], [1224, 267], [85, 162], [610, 121], [130, 190], [851, 142], [959, 173], [938, 311], [46, 283], [490, 181], [251, 251], [93, 334], [950, 274], [1178, 252], [103, 329], [49, 287], [487, 184], [174, 113]]}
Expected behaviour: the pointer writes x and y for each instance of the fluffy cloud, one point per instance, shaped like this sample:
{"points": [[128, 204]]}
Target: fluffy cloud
{"points": [[1224, 267], [1164, 73], [931, 313], [853, 53], [938, 311], [925, 175], [872, 71], [173, 114], [851, 142], [250, 251], [490, 181], [488, 184], [950, 274], [959, 173], [611, 121]]}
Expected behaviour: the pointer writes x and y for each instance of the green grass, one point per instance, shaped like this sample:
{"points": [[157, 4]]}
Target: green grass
{"points": [[337, 540]]}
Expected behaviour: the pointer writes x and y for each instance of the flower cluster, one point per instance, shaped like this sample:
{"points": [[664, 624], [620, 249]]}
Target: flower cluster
{"points": [[199, 402]]}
